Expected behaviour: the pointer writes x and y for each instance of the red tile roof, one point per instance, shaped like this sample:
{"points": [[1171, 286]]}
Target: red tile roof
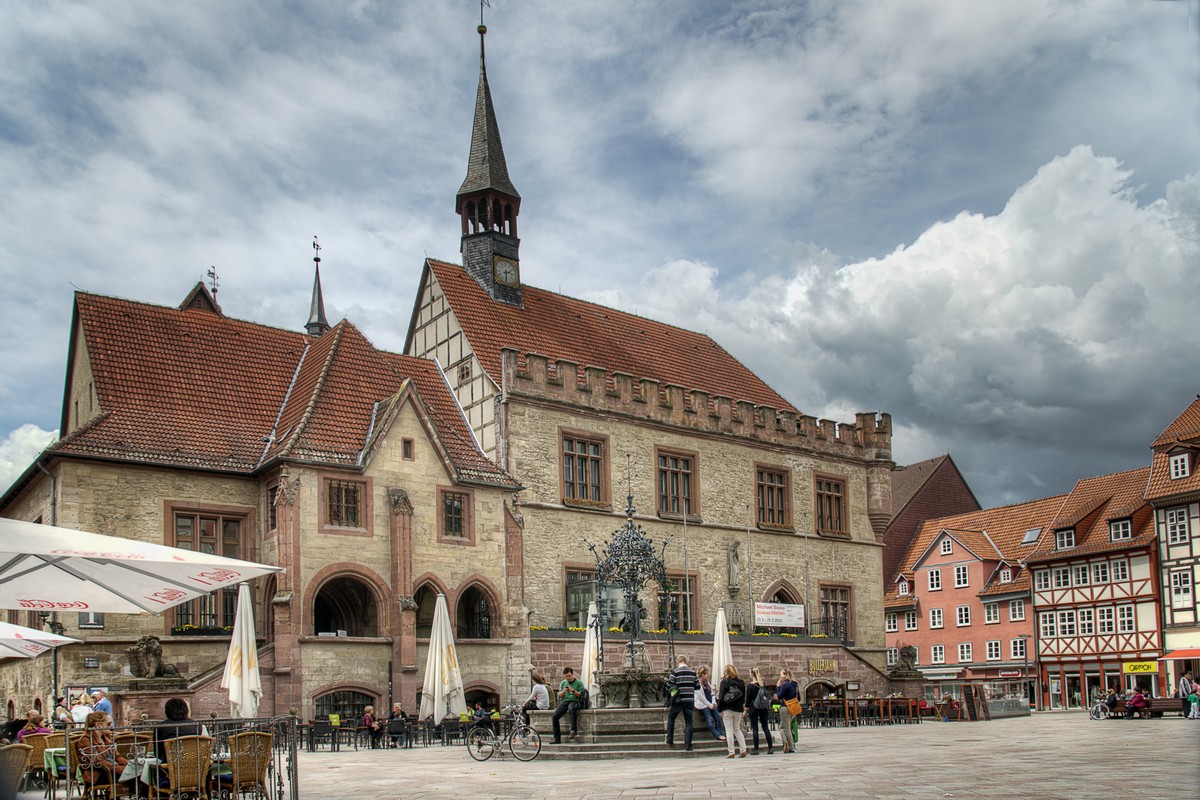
{"points": [[1005, 528], [1091, 506], [190, 387], [908, 479], [562, 327], [1184, 430]]}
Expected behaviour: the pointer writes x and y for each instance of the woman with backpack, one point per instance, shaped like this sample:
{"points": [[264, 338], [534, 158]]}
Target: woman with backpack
{"points": [[758, 705], [731, 705]]}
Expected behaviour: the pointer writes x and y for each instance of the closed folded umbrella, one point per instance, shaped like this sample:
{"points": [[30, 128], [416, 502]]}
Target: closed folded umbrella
{"points": [[722, 652], [442, 694], [47, 568], [241, 677], [591, 651]]}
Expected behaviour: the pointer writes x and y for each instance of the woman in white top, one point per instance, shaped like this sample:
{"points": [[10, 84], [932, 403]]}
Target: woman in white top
{"points": [[81, 709], [539, 698]]}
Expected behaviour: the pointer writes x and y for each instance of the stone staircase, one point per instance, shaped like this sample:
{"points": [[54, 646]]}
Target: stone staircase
{"points": [[623, 733]]}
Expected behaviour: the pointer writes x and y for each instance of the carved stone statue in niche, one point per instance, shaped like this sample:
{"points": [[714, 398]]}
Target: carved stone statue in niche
{"points": [[735, 567]]}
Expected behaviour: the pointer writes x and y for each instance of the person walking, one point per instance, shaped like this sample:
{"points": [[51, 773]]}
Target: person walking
{"points": [[731, 703], [100, 702], [786, 690], [682, 685], [758, 706], [1185, 691], [570, 692]]}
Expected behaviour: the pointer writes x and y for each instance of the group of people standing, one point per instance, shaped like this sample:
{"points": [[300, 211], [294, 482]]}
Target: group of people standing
{"points": [[733, 700]]}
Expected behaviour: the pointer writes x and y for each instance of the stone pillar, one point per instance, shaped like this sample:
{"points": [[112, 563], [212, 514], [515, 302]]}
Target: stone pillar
{"points": [[288, 601], [403, 629]]}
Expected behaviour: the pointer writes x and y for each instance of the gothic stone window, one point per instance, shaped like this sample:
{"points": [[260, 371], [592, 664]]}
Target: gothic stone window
{"points": [[836, 618], [584, 470], [345, 504], [682, 604], [831, 513], [774, 488], [677, 483], [216, 531], [456, 516]]}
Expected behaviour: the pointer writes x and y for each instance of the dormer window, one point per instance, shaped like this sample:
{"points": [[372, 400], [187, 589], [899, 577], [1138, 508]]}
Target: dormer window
{"points": [[947, 547], [1180, 466], [1120, 529], [902, 588], [1006, 575], [1064, 540]]}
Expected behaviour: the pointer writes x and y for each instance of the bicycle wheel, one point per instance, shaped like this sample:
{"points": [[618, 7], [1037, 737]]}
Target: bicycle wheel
{"points": [[481, 743], [1099, 711], [525, 743]]}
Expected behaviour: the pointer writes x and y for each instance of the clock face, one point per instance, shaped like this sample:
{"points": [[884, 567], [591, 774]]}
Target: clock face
{"points": [[506, 271]]}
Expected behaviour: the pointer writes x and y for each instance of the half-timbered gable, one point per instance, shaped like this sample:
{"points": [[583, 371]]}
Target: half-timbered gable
{"points": [[1173, 491], [1095, 588]]}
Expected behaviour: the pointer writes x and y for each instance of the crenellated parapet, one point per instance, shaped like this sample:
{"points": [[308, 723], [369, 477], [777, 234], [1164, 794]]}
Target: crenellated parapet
{"points": [[534, 375]]}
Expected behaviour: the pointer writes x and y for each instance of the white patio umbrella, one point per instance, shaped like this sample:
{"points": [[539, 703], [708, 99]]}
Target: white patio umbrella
{"points": [[17, 640], [591, 652], [442, 694], [722, 653], [46, 568], [241, 676]]}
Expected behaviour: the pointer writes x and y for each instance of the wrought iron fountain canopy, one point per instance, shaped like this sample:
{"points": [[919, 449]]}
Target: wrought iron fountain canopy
{"points": [[630, 560]]}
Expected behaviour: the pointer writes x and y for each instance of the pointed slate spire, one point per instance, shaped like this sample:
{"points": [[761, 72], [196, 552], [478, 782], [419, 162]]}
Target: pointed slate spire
{"points": [[486, 168], [317, 324]]}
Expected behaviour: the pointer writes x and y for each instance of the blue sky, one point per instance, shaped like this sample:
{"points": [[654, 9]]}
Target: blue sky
{"points": [[983, 218]]}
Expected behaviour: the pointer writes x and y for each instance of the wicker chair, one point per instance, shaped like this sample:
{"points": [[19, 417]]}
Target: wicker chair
{"points": [[35, 768], [13, 759], [97, 768], [54, 740], [188, 761], [249, 757]]}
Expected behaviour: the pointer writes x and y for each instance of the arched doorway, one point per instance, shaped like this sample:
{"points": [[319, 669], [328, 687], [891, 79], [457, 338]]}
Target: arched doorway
{"points": [[426, 600], [818, 689], [346, 703], [784, 593], [474, 614], [346, 604]]}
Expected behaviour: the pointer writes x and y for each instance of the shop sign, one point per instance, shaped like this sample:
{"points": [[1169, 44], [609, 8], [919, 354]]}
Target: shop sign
{"points": [[1139, 667], [818, 666], [1010, 673], [778, 615]]}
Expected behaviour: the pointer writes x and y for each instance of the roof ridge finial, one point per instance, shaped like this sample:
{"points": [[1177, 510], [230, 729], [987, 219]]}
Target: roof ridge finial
{"points": [[213, 283], [317, 324], [482, 29]]}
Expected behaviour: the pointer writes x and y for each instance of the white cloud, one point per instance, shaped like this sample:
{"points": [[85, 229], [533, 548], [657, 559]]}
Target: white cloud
{"points": [[1033, 335], [19, 449]]}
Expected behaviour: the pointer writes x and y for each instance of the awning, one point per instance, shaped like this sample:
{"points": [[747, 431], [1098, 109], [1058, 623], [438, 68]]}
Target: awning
{"points": [[1186, 654]]}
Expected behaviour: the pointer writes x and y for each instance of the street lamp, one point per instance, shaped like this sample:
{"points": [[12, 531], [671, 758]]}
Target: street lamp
{"points": [[50, 620]]}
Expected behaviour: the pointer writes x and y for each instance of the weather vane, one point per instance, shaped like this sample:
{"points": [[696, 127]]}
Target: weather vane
{"points": [[213, 285], [316, 252]]}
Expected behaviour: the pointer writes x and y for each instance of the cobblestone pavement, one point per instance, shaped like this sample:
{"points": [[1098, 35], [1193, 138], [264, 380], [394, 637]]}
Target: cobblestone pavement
{"points": [[1056, 755]]}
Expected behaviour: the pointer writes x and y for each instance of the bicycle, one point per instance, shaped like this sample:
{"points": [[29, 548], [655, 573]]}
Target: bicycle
{"points": [[1099, 711], [523, 741]]}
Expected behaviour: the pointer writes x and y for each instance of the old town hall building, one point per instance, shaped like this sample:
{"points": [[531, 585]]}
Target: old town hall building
{"points": [[479, 464]]}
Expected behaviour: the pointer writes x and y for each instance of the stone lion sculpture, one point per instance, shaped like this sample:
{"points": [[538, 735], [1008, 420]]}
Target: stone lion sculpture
{"points": [[145, 660]]}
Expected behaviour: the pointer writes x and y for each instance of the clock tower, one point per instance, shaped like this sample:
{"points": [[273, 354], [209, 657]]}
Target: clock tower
{"points": [[488, 203]]}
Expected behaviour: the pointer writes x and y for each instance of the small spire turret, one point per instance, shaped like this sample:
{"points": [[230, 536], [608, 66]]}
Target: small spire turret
{"points": [[317, 324]]}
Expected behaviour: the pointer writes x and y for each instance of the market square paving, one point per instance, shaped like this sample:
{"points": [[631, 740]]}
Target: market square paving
{"points": [[1061, 755]]}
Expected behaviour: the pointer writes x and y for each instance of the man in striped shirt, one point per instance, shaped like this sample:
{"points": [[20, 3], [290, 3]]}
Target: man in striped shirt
{"points": [[682, 685]]}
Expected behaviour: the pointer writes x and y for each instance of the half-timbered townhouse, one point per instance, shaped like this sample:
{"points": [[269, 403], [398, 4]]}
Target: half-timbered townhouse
{"points": [[1095, 593], [1174, 494]]}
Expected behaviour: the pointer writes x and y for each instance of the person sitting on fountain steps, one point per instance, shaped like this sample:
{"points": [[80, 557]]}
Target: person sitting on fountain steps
{"points": [[682, 685], [570, 692]]}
